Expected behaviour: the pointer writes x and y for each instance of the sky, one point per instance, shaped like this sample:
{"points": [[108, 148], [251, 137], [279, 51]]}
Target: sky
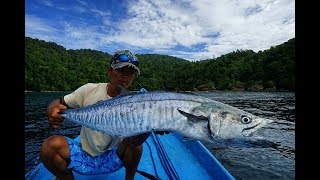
{"points": [[188, 29]]}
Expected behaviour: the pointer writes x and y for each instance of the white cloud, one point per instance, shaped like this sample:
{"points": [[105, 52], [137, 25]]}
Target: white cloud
{"points": [[39, 28], [219, 26], [244, 24], [159, 24], [100, 13], [80, 36], [35, 24], [46, 3]]}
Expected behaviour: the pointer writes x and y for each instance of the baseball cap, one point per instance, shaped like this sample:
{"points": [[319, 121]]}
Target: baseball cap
{"points": [[124, 58]]}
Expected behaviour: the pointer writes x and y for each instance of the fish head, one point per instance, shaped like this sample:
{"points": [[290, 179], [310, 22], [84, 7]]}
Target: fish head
{"points": [[228, 122]]}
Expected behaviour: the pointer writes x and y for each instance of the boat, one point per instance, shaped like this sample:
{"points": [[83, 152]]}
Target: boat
{"points": [[167, 156]]}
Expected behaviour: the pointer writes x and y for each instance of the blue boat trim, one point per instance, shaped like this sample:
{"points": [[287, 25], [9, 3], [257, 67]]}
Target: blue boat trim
{"points": [[165, 160], [164, 156]]}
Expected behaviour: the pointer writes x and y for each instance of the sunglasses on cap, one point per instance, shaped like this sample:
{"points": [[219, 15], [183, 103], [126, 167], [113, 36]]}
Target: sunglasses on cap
{"points": [[125, 56]]}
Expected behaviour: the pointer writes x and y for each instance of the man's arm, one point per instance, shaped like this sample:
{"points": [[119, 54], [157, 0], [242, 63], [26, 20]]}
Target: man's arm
{"points": [[53, 112]]}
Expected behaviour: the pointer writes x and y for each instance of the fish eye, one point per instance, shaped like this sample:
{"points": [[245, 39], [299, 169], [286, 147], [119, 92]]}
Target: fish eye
{"points": [[245, 120]]}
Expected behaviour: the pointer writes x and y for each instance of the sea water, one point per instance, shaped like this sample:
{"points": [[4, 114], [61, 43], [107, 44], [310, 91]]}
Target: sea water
{"points": [[242, 163]]}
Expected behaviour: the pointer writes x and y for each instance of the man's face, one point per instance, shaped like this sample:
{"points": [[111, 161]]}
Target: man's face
{"points": [[121, 76]]}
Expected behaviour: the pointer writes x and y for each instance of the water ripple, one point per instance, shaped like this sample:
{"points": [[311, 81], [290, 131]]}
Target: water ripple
{"points": [[242, 163]]}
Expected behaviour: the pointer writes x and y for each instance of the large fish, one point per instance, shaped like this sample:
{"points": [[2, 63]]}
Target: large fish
{"points": [[193, 116]]}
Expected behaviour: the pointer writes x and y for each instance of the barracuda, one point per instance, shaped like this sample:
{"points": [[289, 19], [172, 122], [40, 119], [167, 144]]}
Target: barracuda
{"points": [[193, 116]]}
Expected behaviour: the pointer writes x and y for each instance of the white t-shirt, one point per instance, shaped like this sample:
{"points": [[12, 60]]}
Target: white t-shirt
{"points": [[92, 141]]}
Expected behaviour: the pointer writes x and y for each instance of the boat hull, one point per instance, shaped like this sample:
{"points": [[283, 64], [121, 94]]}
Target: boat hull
{"points": [[166, 156]]}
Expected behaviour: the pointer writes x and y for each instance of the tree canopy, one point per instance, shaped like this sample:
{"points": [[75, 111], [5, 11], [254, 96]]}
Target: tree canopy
{"points": [[51, 67]]}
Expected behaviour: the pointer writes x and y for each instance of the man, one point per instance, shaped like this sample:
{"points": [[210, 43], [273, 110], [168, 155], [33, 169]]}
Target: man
{"points": [[97, 152]]}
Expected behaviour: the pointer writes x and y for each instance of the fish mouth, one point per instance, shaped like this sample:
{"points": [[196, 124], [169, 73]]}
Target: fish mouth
{"points": [[249, 130]]}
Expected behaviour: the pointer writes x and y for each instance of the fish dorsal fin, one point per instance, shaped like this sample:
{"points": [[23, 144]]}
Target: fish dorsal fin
{"points": [[193, 118], [143, 90]]}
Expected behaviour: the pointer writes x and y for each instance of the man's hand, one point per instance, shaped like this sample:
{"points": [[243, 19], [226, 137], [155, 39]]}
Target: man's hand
{"points": [[161, 132], [54, 108]]}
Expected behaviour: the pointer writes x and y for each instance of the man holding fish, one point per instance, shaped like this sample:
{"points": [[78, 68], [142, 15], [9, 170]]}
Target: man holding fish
{"points": [[98, 152], [115, 128]]}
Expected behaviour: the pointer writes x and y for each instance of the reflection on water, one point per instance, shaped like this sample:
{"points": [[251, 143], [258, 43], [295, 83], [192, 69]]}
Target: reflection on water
{"points": [[242, 163]]}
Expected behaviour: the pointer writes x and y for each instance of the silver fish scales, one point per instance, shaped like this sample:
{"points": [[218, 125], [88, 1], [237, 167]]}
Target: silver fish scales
{"points": [[193, 116]]}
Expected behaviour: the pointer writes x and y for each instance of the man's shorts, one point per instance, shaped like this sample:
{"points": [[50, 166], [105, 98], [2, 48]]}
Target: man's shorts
{"points": [[84, 163]]}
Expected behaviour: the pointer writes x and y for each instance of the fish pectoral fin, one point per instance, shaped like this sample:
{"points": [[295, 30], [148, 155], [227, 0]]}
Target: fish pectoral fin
{"points": [[193, 118]]}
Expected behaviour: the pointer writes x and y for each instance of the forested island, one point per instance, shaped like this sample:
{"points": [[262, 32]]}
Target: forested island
{"points": [[51, 67]]}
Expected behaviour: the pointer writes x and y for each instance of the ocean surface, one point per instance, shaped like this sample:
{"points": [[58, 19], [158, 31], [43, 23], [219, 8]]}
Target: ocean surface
{"points": [[242, 163]]}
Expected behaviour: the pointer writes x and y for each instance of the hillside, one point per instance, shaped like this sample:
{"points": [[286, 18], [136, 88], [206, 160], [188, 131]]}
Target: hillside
{"points": [[51, 67]]}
